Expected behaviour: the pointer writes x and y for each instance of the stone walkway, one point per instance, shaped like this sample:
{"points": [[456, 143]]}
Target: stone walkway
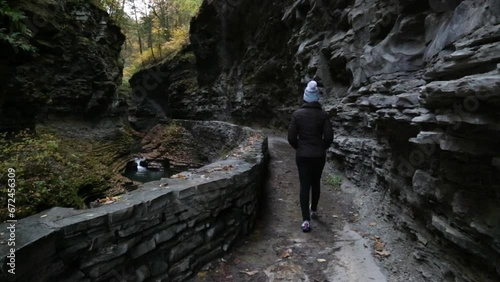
{"points": [[277, 250]]}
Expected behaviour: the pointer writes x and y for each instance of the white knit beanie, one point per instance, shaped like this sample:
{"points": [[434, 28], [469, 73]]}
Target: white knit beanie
{"points": [[311, 94]]}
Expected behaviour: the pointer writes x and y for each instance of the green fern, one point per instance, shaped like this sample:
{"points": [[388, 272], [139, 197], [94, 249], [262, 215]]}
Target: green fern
{"points": [[14, 15], [15, 32], [334, 180]]}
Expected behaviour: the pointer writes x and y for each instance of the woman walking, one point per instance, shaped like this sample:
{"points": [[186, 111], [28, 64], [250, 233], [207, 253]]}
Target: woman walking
{"points": [[310, 133]]}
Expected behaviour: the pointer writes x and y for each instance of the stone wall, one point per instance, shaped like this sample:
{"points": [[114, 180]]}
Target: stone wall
{"points": [[164, 231]]}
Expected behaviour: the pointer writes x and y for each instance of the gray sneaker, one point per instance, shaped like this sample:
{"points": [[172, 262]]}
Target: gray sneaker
{"points": [[314, 215]]}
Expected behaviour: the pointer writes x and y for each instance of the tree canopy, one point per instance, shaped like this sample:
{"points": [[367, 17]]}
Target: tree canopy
{"points": [[155, 29]]}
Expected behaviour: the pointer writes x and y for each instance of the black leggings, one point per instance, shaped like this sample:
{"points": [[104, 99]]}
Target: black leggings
{"points": [[310, 170]]}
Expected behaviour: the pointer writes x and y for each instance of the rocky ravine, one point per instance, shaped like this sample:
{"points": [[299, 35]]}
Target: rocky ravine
{"points": [[413, 91], [75, 71]]}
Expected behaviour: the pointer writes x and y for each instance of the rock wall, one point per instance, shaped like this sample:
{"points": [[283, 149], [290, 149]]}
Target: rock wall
{"points": [[243, 60], [190, 144], [164, 231], [75, 71], [413, 91], [165, 90]]}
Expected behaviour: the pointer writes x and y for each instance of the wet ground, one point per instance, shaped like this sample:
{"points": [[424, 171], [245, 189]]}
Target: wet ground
{"points": [[347, 242]]}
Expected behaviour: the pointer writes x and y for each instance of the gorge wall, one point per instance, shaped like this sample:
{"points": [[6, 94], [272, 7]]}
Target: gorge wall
{"points": [[413, 89], [74, 71]]}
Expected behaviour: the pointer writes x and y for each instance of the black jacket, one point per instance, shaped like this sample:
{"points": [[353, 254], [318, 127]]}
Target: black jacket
{"points": [[310, 131]]}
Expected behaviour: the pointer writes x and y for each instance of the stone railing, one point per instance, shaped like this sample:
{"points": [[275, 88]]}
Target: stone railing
{"points": [[164, 231]]}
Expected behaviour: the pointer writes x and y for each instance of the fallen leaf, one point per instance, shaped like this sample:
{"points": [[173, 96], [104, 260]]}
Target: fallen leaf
{"points": [[383, 253], [179, 176], [379, 246], [108, 200], [287, 253], [228, 167], [250, 273], [321, 260]]}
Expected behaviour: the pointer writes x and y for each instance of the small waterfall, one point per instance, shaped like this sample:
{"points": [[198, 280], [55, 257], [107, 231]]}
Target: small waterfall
{"points": [[139, 167], [144, 170]]}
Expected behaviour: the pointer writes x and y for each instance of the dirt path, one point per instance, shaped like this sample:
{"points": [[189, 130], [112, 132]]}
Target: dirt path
{"points": [[278, 249]]}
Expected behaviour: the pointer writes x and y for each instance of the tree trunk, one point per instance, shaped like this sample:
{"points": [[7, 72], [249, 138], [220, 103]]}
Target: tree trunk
{"points": [[137, 26]]}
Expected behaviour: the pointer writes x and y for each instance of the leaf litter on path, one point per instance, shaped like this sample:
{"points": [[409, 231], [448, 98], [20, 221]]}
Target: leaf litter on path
{"points": [[379, 247]]}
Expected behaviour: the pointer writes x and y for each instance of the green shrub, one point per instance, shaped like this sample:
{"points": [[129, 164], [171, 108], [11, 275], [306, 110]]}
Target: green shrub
{"points": [[334, 180], [174, 131], [49, 172]]}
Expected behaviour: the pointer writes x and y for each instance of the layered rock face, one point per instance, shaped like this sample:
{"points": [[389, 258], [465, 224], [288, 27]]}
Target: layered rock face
{"points": [[413, 91], [244, 61], [76, 68], [165, 90]]}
